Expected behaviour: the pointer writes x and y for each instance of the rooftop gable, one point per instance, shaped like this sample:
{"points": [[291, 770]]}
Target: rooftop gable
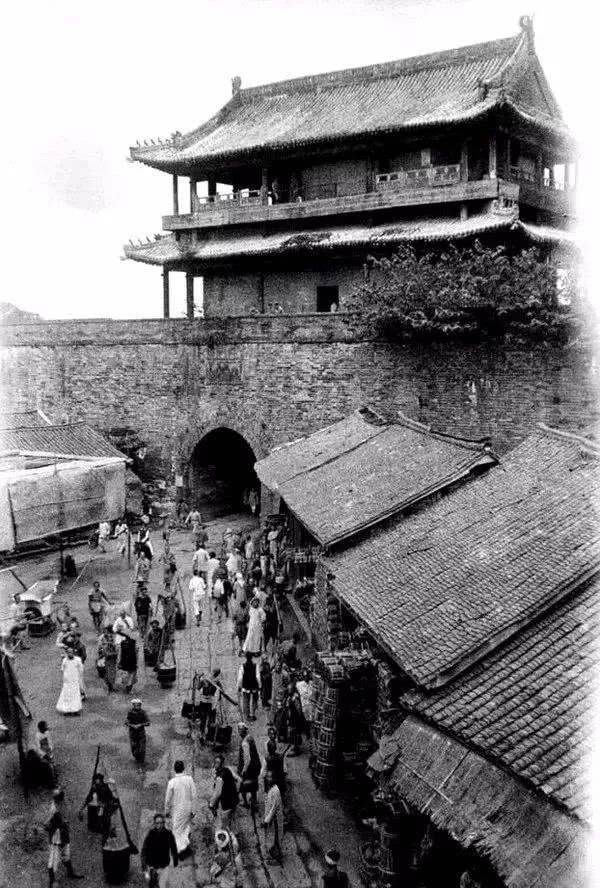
{"points": [[76, 440], [448, 585], [370, 469], [453, 86]]}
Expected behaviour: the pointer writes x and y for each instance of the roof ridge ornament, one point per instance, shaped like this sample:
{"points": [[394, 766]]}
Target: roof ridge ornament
{"points": [[236, 85], [526, 26]]}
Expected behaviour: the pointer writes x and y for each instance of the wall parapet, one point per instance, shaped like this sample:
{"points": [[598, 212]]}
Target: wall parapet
{"points": [[342, 327]]}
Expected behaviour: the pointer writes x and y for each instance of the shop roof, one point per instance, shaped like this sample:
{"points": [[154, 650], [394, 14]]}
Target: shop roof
{"points": [[528, 840], [23, 418], [363, 469], [430, 90], [528, 704], [76, 439], [447, 585], [227, 243]]}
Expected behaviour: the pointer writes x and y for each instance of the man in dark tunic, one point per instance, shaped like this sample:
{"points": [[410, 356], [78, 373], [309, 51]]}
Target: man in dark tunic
{"points": [[137, 722], [158, 850]]}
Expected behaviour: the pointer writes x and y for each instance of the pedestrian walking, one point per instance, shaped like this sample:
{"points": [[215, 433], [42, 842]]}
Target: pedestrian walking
{"points": [[180, 807], [225, 797], [198, 593], [107, 655], [273, 763], [128, 663], [219, 597], [273, 818], [306, 691], [254, 637], [333, 877], [103, 535], [295, 718], [137, 722], [44, 749], [101, 804], [143, 607], [200, 562], [123, 626], [248, 684], [121, 533], [59, 839], [249, 766], [152, 643], [266, 682], [97, 598], [253, 501], [240, 623], [271, 623], [158, 850], [73, 687], [142, 571], [211, 569]]}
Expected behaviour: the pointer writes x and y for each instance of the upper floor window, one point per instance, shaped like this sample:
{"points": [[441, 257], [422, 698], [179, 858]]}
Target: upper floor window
{"points": [[328, 299]]}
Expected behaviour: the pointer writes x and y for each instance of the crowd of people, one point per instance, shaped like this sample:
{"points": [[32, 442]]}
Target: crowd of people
{"points": [[235, 585]]}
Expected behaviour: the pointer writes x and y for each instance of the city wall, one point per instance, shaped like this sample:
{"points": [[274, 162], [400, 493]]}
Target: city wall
{"points": [[274, 378]]}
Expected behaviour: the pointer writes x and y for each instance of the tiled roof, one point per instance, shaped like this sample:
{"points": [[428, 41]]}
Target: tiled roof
{"points": [[358, 471], [27, 418], [227, 243], [528, 704], [77, 439], [528, 840], [449, 584], [446, 87]]}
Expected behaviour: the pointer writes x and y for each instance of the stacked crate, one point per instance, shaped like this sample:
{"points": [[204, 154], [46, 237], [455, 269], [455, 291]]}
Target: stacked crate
{"points": [[345, 700]]}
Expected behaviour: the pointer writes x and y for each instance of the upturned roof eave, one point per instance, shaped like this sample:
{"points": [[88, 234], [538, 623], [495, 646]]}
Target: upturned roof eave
{"points": [[181, 165]]}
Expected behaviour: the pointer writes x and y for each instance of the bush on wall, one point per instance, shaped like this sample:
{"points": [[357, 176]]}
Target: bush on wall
{"points": [[471, 292]]}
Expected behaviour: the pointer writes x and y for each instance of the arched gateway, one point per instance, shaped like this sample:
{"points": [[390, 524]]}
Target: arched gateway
{"points": [[221, 473]]}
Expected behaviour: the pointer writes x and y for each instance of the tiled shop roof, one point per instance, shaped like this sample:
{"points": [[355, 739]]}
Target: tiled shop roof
{"points": [[222, 244], [23, 418], [449, 584], [528, 840], [528, 704], [358, 471], [77, 439], [440, 88]]}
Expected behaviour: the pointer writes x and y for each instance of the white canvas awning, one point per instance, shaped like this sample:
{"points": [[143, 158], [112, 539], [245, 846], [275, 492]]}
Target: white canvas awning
{"points": [[35, 503]]}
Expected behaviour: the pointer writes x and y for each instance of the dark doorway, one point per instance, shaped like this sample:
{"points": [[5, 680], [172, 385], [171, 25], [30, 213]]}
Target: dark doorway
{"points": [[222, 473], [326, 297]]}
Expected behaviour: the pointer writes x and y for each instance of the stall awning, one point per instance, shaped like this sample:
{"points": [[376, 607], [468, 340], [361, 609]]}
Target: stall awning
{"points": [[529, 840], [35, 503]]}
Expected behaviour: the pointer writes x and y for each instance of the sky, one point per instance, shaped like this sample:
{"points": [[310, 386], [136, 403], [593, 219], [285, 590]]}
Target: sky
{"points": [[82, 81]]}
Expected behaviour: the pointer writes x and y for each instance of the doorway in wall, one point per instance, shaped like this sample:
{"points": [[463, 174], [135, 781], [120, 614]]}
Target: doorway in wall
{"points": [[326, 297]]}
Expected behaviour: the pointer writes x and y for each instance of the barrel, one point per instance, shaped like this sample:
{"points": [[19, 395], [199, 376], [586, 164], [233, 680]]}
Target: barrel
{"points": [[166, 675], [392, 858], [115, 863]]}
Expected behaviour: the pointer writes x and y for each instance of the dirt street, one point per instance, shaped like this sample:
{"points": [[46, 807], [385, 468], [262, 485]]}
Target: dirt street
{"points": [[315, 822]]}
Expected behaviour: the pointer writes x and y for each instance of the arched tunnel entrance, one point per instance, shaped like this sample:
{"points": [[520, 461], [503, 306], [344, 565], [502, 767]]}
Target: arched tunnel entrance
{"points": [[221, 473]]}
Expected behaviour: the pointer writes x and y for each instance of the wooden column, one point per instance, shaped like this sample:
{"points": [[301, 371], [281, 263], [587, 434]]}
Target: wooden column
{"points": [[212, 185], [508, 158], [166, 307], [175, 196], [189, 295], [193, 195], [492, 154], [264, 186], [464, 161], [539, 170]]}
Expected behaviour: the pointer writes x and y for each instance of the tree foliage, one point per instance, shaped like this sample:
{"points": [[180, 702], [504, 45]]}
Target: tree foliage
{"points": [[472, 292]]}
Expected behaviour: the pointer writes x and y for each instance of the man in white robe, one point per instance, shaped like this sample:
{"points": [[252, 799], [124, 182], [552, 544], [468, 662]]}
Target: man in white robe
{"points": [[180, 806]]}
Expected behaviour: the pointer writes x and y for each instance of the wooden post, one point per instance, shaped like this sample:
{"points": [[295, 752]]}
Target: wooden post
{"points": [[193, 195], [212, 185], [464, 212], [492, 154], [507, 173], [539, 170], [189, 293], [551, 173], [264, 186], [464, 161], [175, 196], [165, 277]]}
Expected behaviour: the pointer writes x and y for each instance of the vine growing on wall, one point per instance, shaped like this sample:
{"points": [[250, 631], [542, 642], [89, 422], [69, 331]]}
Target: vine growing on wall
{"points": [[471, 292]]}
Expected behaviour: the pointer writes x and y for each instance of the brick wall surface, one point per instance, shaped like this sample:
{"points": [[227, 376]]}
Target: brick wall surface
{"points": [[275, 378]]}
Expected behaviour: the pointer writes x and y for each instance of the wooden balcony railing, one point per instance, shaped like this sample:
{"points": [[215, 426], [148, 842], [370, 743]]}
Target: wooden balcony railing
{"points": [[426, 177], [243, 198]]}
